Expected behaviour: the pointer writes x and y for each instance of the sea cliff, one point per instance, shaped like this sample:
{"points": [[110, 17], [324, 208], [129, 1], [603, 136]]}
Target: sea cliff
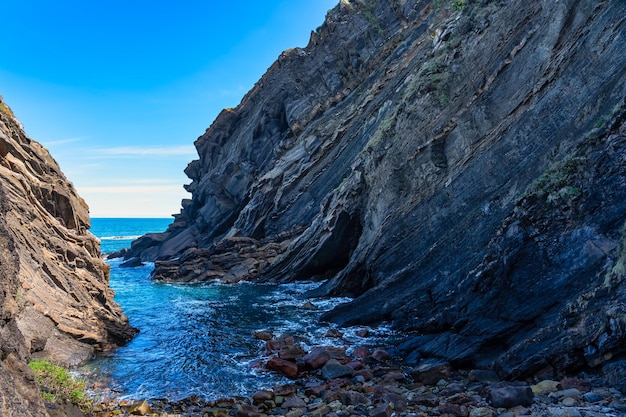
{"points": [[55, 301], [458, 167]]}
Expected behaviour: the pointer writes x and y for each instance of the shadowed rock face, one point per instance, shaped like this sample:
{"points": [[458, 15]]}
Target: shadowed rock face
{"points": [[55, 302], [460, 172]]}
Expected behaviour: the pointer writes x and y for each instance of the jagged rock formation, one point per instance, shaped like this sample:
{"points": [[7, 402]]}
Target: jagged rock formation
{"points": [[54, 300], [456, 166]]}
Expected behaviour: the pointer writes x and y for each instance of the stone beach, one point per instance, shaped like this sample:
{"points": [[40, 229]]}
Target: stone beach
{"points": [[327, 382]]}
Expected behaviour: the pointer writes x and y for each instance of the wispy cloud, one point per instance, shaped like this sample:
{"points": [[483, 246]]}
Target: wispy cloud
{"points": [[147, 151], [65, 141], [132, 189], [135, 151]]}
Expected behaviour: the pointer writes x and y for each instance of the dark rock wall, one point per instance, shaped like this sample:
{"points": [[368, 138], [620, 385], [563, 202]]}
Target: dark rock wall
{"points": [[395, 153], [55, 302]]}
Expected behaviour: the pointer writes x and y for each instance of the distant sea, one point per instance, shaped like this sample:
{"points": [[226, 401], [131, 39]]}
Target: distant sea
{"points": [[197, 339], [116, 234]]}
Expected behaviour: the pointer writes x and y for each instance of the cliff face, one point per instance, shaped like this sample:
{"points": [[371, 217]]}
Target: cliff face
{"points": [[456, 166], [55, 302]]}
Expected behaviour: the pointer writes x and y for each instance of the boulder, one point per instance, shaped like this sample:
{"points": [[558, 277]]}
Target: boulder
{"points": [[504, 395], [282, 366], [333, 369], [316, 358], [429, 372]]}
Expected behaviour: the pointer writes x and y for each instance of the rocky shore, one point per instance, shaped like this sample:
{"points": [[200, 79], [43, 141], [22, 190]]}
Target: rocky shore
{"points": [[329, 382]]}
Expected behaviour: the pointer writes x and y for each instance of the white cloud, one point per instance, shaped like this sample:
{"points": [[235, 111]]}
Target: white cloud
{"points": [[64, 141], [133, 151], [131, 189]]}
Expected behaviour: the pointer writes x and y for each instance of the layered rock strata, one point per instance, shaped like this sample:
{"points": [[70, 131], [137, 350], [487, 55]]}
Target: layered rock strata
{"points": [[55, 302], [458, 167]]}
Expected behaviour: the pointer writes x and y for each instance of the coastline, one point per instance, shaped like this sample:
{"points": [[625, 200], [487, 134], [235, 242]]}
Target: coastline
{"points": [[327, 382]]}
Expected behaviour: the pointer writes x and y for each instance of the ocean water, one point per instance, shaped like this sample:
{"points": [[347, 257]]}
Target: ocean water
{"points": [[116, 234], [197, 339]]}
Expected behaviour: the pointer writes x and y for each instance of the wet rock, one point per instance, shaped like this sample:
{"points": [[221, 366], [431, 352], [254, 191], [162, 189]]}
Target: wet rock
{"points": [[363, 332], [333, 369], [263, 335], [452, 410], [246, 410], [261, 396], [293, 402], [430, 372], [384, 410], [509, 395], [140, 408], [481, 412], [545, 387], [592, 397], [567, 393], [619, 406], [483, 375], [429, 400], [132, 263], [285, 390], [366, 373], [380, 355], [569, 402], [282, 366], [396, 400], [583, 385], [563, 412], [361, 352], [315, 389], [316, 358], [334, 333], [353, 398]]}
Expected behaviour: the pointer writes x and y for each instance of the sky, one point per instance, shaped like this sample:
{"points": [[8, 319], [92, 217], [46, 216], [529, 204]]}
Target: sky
{"points": [[119, 90]]}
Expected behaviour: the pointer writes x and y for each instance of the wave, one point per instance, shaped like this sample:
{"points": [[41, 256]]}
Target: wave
{"points": [[120, 237]]}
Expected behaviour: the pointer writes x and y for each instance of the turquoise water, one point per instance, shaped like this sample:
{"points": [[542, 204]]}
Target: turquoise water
{"points": [[196, 339], [116, 234]]}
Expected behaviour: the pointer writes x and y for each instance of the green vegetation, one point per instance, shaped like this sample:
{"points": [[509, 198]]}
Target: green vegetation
{"points": [[5, 109], [367, 9], [57, 384], [457, 5], [556, 182]]}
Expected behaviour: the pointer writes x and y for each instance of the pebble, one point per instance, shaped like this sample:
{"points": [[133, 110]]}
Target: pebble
{"points": [[380, 388], [564, 412], [592, 397]]}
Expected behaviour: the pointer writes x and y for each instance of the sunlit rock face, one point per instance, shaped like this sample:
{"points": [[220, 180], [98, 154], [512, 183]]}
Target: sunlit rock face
{"points": [[55, 301], [458, 167]]}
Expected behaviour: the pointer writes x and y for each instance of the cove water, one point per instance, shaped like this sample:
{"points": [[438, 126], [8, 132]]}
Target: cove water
{"points": [[197, 339]]}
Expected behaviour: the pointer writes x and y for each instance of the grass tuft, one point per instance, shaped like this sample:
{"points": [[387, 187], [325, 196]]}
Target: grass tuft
{"points": [[57, 384]]}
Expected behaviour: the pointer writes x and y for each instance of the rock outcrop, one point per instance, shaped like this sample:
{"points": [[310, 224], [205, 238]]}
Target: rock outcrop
{"points": [[458, 167], [55, 302]]}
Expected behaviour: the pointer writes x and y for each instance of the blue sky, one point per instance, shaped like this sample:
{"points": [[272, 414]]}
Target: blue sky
{"points": [[118, 91]]}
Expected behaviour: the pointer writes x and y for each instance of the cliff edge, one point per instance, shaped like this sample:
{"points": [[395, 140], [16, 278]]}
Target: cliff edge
{"points": [[458, 167], [55, 302]]}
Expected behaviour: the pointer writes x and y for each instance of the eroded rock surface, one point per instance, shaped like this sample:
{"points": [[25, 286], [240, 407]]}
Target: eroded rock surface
{"points": [[456, 166], [55, 302]]}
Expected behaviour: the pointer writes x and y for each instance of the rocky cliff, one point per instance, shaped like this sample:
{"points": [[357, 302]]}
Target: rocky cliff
{"points": [[457, 166], [55, 302]]}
